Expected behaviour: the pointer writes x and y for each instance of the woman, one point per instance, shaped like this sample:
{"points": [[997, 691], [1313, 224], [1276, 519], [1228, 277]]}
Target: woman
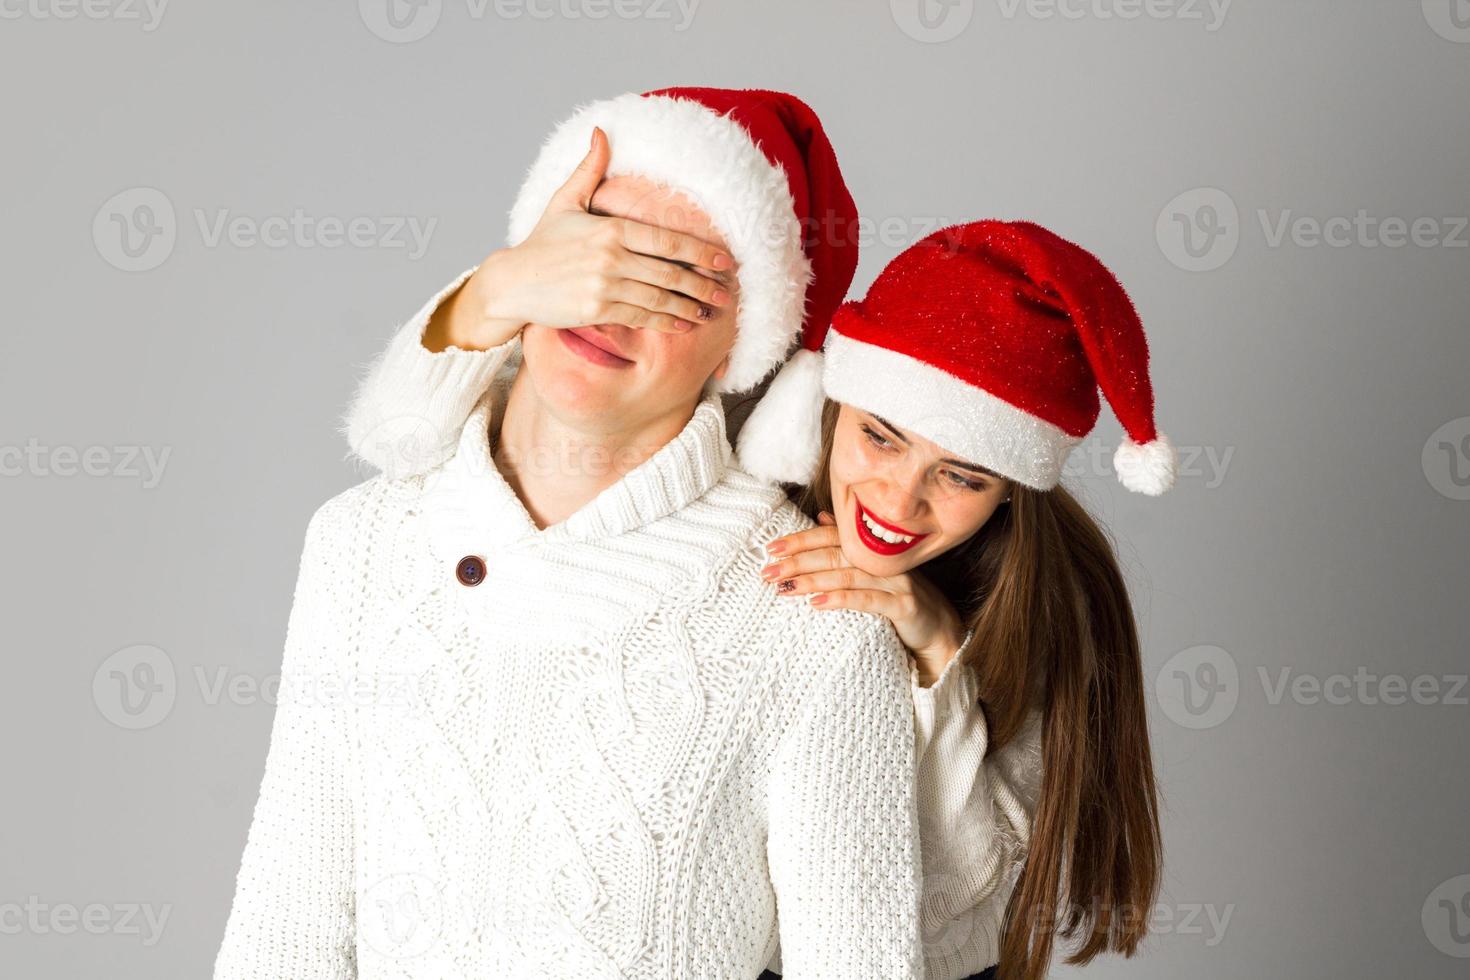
{"points": [[992, 339], [953, 392]]}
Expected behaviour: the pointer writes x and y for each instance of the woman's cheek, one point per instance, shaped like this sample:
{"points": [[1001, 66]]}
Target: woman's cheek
{"points": [[849, 462], [965, 514], [854, 450]]}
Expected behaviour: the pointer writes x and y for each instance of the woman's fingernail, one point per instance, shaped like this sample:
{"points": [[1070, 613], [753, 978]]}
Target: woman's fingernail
{"points": [[683, 325], [819, 599], [719, 297], [776, 548], [770, 572], [786, 585], [722, 261], [705, 312]]}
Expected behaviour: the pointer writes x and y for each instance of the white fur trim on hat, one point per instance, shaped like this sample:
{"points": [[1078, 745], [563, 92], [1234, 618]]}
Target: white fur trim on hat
{"points": [[711, 159], [781, 441], [1147, 468], [968, 421]]}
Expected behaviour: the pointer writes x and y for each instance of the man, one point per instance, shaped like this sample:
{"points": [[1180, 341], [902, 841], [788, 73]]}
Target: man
{"points": [[621, 754]]}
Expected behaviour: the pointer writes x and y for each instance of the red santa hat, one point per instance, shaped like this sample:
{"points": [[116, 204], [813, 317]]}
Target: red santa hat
{"points": [[760, 165], [991, 339]]}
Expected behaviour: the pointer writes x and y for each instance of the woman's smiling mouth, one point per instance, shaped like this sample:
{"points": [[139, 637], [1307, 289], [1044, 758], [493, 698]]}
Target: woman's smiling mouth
{"points": [[879, 536]]}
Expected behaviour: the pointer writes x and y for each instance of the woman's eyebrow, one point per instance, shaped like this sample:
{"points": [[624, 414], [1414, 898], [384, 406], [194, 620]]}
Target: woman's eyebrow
{"points": [[889, 426], [972, 467]]}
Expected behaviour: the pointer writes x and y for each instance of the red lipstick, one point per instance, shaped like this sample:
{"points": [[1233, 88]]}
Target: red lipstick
{"points": [[874, 543]]}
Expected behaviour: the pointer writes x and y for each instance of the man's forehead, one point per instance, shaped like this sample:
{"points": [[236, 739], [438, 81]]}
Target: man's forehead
{"points": [[641, 199]]}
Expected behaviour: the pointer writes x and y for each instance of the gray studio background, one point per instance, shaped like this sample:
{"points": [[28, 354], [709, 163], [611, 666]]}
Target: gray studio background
{"points": [[177, 349]]}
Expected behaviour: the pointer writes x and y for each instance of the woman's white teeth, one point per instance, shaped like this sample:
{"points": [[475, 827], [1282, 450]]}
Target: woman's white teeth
{"points": [[884, 534]]}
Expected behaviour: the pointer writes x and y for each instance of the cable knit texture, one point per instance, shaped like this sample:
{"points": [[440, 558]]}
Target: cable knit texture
{"points": [[620, 755], [974, 816]]}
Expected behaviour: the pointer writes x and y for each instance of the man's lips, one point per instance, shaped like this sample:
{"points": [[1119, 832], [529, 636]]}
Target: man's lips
{"points": [[600, 340], [875, 543], [603, 348]]}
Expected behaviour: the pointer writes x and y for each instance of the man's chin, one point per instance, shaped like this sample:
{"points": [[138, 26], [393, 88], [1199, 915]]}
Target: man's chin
{"points": [[573, 392], [572, 386]]}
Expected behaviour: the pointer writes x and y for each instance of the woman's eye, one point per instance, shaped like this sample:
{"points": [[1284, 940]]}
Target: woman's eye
{"points": [[876, 439], [967, 484]]}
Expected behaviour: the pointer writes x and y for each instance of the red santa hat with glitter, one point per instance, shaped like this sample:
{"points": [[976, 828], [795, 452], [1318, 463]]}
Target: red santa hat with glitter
{"points": [[992, 340], [760, 165]]}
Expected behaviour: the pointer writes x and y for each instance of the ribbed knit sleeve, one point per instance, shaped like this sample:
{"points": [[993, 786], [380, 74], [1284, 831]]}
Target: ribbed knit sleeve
{"points": [[293, 912], [408, 410], [975, 821], [842, 845]]}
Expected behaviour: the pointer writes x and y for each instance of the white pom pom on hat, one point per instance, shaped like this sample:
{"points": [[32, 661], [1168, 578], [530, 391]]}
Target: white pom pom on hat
{"points": [[1148, 468], [782, 438]]}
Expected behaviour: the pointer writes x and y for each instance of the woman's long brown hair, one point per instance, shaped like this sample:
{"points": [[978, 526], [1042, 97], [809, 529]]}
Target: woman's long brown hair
{"points": [[1054, 629]]}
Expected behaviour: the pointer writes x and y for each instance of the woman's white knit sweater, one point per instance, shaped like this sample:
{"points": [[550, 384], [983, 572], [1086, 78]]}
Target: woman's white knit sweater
{"points": [[621, 754]]}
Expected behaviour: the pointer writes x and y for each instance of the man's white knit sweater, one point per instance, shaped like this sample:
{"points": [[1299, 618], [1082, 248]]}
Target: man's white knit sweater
{"points": [[621, 754]]}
